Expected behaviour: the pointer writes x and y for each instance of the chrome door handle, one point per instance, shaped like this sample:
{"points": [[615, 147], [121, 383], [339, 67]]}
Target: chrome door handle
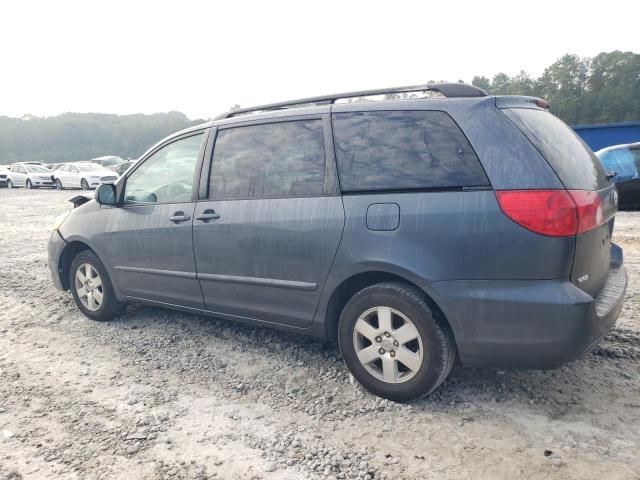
{"points": [[208, 215], [179, 217]]}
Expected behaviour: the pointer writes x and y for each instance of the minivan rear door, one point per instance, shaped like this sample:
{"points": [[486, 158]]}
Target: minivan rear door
{"points": [[577, 168], [268, 229]]}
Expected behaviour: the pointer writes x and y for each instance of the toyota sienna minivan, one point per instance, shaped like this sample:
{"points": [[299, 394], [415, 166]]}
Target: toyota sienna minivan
{"points": [[448, 225]]}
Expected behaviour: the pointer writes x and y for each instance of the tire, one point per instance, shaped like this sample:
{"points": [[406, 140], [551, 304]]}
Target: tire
{"points": [[428, 348], [9, 183], [29, 185], [109, 306], [84, 184], [59, 185]]}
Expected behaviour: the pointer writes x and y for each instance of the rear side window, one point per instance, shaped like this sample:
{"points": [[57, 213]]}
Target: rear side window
{"points": [[573, 161], [398, 150], [284, 159]]}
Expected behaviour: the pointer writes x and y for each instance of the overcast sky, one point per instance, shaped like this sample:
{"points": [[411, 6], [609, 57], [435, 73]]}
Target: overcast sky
{"points": [[202, 57]]}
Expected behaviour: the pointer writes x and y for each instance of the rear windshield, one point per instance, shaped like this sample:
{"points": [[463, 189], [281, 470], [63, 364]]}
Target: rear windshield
{"points": [[572, 160]]}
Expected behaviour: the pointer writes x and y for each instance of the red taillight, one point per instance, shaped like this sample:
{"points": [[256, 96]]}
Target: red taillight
{"points": [[557, 213], [589, 207]]}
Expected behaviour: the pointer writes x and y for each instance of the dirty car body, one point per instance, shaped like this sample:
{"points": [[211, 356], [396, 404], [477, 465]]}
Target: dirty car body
{"points": [[449, 197]]}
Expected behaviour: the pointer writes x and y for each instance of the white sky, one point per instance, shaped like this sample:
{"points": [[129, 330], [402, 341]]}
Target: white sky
{"points": [[202, 57]]}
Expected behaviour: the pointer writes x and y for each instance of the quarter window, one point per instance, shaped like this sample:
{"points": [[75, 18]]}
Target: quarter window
{"points": [[167, 175], [283, 159], [395, 150]]}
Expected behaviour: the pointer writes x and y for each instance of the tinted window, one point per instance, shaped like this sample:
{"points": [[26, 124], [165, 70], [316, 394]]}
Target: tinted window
{"points": [[167, 175], [403, 150], [271, 160], [575, 164]]}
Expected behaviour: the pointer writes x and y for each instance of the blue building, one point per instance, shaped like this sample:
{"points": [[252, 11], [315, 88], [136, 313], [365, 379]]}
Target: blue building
{"points": [[605, 135]]}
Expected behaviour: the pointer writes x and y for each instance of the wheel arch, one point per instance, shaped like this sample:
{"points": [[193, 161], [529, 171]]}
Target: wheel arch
{"points": [[349, 286], [66, 257], [75, 245]]}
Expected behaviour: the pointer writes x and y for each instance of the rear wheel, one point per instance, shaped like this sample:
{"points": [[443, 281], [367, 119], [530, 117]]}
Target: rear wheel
{"points": [[92, 289], [84, 184], [393, 343]]}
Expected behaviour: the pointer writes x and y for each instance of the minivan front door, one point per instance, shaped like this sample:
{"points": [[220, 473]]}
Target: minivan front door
{"points": [[266, 238], [148, 239]]}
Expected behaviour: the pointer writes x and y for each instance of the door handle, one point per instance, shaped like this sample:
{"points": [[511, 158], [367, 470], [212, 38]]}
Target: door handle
{"points": [[179, 217], [207, 215]]}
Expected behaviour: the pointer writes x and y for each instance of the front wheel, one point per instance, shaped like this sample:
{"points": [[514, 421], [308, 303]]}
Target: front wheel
{"points": [[29, 184], [84, 184], [9, 183], [91, 287], [59, 185], [394, 343]]}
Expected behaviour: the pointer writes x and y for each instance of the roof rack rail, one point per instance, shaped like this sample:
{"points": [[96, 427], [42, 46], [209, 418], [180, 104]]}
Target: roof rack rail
{"points": [[446, 89]]}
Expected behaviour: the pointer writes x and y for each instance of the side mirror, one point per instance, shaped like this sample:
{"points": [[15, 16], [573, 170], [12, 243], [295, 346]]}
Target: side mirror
{"points": [[106, 194]]}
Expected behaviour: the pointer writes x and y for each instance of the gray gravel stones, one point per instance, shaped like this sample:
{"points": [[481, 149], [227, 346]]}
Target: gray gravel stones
{"points": [[168, 395]]}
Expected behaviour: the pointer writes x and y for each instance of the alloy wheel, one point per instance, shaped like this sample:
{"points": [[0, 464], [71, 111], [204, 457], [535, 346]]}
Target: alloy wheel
{"points": [[89, 287], [388, 344]]}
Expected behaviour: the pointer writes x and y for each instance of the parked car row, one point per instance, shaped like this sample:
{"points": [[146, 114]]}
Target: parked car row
{"points": [[84, 175]]}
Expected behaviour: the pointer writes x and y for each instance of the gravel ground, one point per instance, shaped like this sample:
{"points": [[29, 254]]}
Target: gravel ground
{"points": [[159, 394]]}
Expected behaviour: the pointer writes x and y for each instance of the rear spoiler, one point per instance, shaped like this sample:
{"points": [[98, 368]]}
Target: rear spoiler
{"points": [[520, 101], [79, 200]]}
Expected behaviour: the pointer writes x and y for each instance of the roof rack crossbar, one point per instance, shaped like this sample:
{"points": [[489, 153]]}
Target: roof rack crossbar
{"points": [[446, 89]]}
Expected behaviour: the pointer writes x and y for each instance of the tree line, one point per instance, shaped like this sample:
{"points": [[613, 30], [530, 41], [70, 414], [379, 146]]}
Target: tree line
{"points": [[581, 91], [82, 136]]}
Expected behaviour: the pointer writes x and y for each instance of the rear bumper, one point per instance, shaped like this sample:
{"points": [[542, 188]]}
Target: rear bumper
{"points": [[530, 324]]}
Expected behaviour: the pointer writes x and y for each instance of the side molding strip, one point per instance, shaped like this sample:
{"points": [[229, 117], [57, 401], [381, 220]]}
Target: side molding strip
{"points": [[155, 271], [267, 282]]}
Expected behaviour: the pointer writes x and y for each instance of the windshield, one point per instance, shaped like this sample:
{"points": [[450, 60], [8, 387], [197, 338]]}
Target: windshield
{"points": [[86, 167], [36, 169], [110, 161], [625, 162]]}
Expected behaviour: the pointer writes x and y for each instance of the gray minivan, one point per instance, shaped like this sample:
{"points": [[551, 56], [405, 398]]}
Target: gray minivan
{"points": [[414, 231]]}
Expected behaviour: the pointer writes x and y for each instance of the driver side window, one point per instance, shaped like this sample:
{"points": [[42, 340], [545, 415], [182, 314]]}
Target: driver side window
{"points": [[167, 175]]}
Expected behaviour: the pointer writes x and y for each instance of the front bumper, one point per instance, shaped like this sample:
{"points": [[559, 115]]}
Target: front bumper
{"points": [[529, 323], [42, 183], [55, 250]]}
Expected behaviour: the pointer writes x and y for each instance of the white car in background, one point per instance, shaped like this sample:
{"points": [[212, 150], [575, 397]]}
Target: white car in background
{"points": [[29, 175], [4, 175], [108, 161], [84, 175]]}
